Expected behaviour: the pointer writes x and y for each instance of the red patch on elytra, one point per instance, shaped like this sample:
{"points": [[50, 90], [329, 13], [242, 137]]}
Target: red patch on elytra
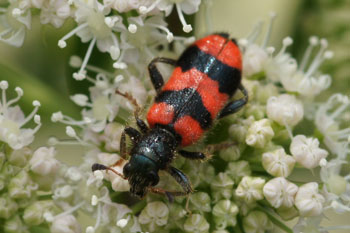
{"points": [[161, 113], [213, 100], [211, 44], [189, 129], [180, 80], [231, 55]]}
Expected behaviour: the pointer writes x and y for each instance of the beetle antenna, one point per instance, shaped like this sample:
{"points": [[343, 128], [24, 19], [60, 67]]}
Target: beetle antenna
{"points": [[98, 166]]}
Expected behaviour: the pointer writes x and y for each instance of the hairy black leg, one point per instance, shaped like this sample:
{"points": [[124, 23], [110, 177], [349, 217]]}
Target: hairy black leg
{"points": [[192, 155], [155, 75], [140, 123], [182, 179], [236, 105]]}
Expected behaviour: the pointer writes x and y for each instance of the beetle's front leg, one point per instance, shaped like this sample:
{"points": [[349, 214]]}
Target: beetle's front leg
{"points": [[236, 105], [182, 179]]}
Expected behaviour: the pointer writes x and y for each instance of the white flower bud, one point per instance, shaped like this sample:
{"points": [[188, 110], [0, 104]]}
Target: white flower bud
{"points": [[4, 85], [34, 213], [225, 213], [57, 116], [257, 222], [74, 174], [70, 132], [259, 133], [7, 206], [94, 200], [80, 99], [65, 224], [278, 163], [250, 189], [120, 65], [155, 214], [239, 169], [62, 44], [308, 201], [80, 75], [37, 119], [196, 223], [222, 186], [21, 186], [19, 91], [75, 61], [90, 229], [231, 153], [36, 103], [98, 174], [336, 184], [285, 109], [187, 28], [43, 161], [306, 151], [201, 201], [254, 59], [280, 192], [132, 28], [122, 222]]}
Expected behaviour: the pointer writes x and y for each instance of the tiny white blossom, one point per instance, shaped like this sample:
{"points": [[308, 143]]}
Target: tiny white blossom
{"points": [[257, 222], [285, 109], [12, 121], [259, 133], [250, 189], [306, 151], [65, 224], [43, 161], [308, 200], [278, 163], [196, 223], [332, 120], [280, 192], [154, 214]]}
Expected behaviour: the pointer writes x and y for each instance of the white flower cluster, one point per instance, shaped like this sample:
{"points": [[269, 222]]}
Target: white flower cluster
{"points": [[244, 188], [118, 27]]}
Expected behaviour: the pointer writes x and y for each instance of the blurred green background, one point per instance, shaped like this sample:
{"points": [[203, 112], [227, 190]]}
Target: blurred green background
{"points": [[41, 68]]}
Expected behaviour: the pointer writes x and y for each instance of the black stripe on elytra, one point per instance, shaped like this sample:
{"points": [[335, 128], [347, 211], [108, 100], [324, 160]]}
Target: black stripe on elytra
{"points": [[187, 102], [228, 77]]}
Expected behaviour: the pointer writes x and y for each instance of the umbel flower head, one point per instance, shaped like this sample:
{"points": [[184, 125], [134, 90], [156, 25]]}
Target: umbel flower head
{"points": [[248, 185], [12, 120]]}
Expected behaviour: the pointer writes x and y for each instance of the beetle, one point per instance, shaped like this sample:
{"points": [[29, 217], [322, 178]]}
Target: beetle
{"points": [[205, 77]]}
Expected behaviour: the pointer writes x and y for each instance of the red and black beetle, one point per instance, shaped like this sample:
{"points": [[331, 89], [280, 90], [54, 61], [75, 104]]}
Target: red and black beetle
{"points": [[205, 77]]}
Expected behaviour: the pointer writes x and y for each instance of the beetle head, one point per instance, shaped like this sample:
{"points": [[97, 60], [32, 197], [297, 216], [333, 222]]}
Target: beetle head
{"points": [[142, 173]]}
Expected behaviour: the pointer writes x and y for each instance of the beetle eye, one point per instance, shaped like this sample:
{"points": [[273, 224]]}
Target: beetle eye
{"points": [[127, 170], [153, 178]]}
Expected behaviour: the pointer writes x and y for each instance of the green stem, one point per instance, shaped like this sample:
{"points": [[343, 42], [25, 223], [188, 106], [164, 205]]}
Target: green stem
{"points": [[138, 206], [274, 220]]}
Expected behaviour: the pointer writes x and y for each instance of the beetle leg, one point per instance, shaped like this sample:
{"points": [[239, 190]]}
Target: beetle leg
{"points": [[180, 178], [140, 123], [155, 75], [192, 155], [236, 105]]}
